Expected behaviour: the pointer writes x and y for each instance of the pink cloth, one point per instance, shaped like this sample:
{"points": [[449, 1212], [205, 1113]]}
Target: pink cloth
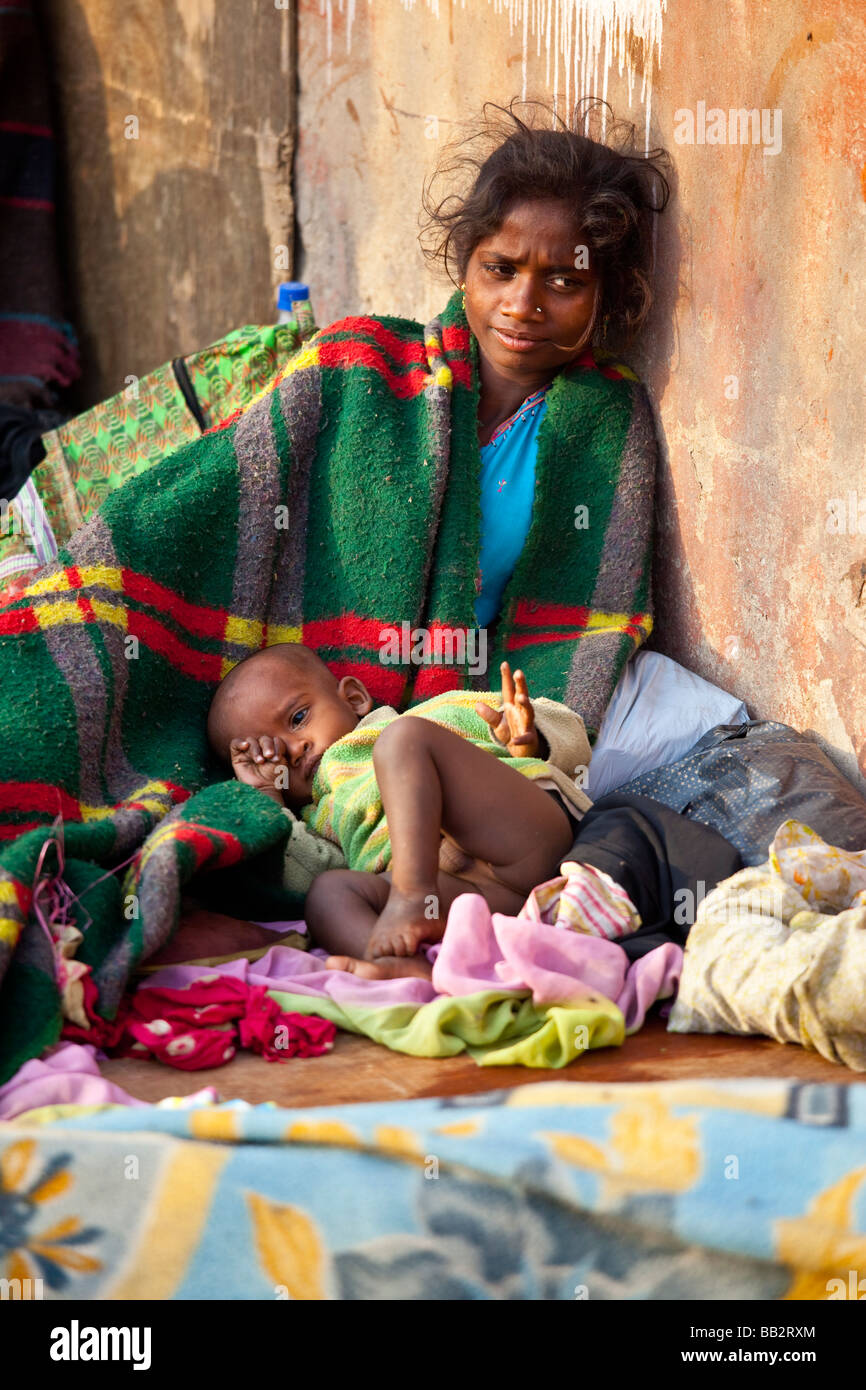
{"points": [[484, 950], [198, 1024], [68, 1075]]}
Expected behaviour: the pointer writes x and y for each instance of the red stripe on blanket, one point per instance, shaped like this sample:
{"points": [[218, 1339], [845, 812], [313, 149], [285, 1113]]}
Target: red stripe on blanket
{"points": [[455, 339], [530, 614], [532, 639], [404, 352], [347, 630], [347, 354], [19, 620], [204, 622], [11, 832], [385, 683], [205, 841], [435, 680], [202, 666], [38, 796], [224, 424], [636, 625]]}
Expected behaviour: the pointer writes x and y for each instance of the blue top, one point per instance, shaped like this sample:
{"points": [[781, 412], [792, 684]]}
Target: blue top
{"points": [[507, 494]]}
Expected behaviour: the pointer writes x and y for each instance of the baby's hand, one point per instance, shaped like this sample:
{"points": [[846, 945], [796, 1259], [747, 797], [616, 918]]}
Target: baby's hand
{"points": [[261, 762], [513, 724]]}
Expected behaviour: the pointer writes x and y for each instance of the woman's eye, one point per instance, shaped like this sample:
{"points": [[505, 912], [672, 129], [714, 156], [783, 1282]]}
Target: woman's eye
{"points": [[568, 282], [498, 265]]}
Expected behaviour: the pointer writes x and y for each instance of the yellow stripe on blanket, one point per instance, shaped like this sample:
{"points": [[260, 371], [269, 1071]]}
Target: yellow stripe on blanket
{"points": [[172, 1231], [10, 930]]}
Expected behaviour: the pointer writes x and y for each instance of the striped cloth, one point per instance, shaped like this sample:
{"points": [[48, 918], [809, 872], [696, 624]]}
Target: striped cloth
{"points": [[583, 899]]}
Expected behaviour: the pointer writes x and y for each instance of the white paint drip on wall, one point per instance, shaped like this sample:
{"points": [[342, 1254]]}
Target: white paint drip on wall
{"points": [[573, 31]]}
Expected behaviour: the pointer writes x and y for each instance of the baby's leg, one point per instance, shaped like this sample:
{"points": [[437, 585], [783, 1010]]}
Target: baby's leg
{"points": [[432, 780], [343, 907]]}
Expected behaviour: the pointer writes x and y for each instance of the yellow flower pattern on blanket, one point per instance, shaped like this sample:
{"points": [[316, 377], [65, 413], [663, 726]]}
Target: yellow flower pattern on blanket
{"points": [[650, 1150], [824, 1246], [822, 874], [780, 949], [289, 1248], [50, 1253]]}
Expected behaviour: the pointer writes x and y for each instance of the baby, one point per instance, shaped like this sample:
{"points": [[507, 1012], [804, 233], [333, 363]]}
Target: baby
{"points": [[434, 804]]}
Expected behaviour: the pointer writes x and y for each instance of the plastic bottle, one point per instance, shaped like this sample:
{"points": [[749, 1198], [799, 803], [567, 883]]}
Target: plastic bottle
{"points": [[293, 302]]}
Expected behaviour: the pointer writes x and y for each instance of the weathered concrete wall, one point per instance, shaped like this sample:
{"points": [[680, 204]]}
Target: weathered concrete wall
{"points": [[177, 124], [754, 354]]}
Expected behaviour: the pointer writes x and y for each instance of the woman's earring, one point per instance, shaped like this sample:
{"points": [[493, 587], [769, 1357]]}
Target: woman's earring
{"points": [[463, 288]]}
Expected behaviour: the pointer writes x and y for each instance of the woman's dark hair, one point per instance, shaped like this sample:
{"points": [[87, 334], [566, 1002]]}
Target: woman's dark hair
{"points": [[615, 189]]}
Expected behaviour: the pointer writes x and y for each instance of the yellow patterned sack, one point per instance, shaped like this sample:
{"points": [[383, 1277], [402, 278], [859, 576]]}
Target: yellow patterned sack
{"points": [[154, 415], [780, 949]]}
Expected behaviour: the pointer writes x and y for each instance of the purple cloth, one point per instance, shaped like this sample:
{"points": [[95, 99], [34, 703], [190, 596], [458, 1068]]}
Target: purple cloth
{"points": [[303, 972], [68, 1075], [282, 927]]}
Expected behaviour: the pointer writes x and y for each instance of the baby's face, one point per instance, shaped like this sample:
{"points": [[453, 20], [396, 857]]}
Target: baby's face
{"points": [[306, 710]]}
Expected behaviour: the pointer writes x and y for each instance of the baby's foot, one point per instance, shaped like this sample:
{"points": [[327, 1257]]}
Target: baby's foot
{"points": [[383, 968], [404, 923]]}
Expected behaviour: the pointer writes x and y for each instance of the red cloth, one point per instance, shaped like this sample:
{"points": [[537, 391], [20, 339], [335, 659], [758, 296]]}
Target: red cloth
{"points": [[200, 1026]]}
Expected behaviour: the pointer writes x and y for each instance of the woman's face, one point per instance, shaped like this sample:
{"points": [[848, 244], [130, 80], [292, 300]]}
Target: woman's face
{"points": [[528, 304]]}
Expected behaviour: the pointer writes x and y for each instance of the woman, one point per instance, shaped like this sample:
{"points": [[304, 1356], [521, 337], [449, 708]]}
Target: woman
{"points": [[348, 508], [552, 245]]}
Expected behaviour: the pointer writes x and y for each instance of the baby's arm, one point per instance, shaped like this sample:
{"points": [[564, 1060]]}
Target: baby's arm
{"points": [[261, 762]]}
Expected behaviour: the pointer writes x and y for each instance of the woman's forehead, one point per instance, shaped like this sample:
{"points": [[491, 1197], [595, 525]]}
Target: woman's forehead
{"points": [[541, 232]]}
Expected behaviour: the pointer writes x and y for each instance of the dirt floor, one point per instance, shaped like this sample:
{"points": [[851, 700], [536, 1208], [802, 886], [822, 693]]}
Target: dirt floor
{"points": [[360, 1070]]}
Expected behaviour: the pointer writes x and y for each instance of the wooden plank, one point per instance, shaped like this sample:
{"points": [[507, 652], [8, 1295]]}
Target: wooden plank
{"points": [[360, 1070]]}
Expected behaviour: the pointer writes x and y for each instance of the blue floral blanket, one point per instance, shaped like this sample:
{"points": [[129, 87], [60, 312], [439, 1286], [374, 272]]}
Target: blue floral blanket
{"points": [[741, 1190]]}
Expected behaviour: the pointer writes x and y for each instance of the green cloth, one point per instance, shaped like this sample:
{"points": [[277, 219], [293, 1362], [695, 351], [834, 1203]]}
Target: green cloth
{"points": [[497, 1028]]}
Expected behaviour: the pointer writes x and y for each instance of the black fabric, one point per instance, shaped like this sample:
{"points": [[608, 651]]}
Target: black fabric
{"points": [[745, 780], [654, 854], [21, 446], [574, 821]]}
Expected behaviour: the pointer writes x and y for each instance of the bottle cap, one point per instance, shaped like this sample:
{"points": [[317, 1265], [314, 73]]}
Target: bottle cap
{"points": [[290, 291]]}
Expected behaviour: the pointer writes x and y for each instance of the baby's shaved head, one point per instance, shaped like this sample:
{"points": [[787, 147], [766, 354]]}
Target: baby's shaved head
{"points": [[289, 660]]}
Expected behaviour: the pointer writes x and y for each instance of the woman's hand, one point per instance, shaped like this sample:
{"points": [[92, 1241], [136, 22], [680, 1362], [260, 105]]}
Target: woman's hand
{"points": [[513, 724], [261, 762]]}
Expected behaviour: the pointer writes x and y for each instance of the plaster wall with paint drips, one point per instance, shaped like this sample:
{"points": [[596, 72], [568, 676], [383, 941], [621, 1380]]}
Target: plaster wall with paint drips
{"points": [[753, 352], [580, 40]]}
